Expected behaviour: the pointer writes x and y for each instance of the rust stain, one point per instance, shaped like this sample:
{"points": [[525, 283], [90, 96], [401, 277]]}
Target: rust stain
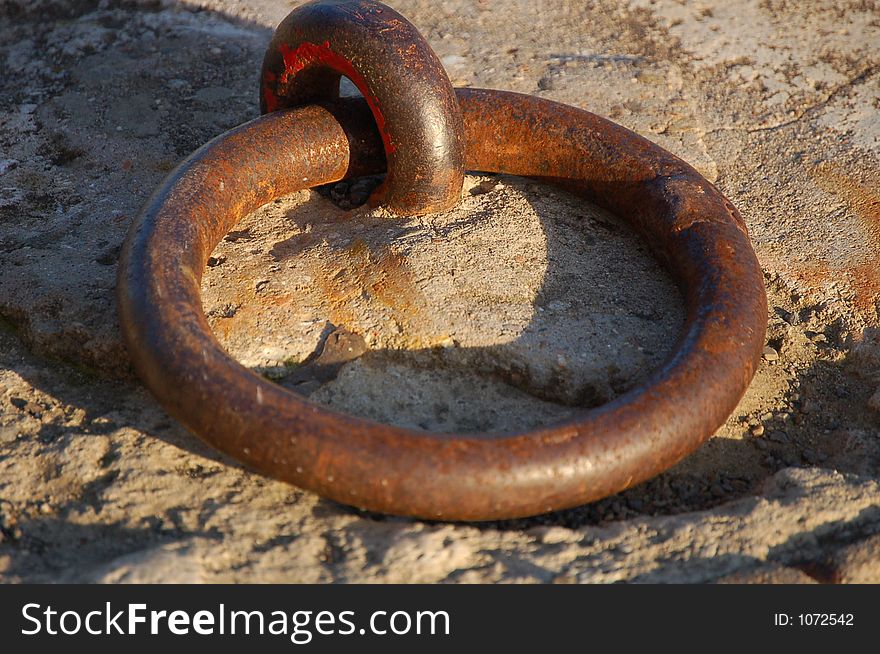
{"points": [[379, 280], [249, 313], [864, 273], [863, 202]]}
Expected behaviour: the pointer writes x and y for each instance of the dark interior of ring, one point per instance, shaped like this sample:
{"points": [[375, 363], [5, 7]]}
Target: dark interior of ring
{"points": [[685, 219]]}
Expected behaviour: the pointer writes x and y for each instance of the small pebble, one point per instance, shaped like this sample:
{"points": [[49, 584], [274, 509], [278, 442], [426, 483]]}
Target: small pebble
{"points": [[758, 430], [770, 354], [6, 165], [445, 342], [778, 436], [553, 535], [484, 187], [874, 401]]}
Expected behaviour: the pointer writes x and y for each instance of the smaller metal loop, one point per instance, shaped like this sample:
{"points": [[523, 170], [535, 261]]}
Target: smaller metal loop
{"points": [[403, 81]]}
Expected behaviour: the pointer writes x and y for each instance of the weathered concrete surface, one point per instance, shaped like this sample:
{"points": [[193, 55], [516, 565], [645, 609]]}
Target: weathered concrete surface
{"points": [[514, 309]]}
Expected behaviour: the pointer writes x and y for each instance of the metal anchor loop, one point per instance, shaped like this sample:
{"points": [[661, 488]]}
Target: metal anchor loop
{"points": [[689, 224], [405, 85]]}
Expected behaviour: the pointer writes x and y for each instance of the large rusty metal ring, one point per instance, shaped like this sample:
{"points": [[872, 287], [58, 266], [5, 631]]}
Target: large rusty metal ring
{"points": [[401, 78], [687, 222]]}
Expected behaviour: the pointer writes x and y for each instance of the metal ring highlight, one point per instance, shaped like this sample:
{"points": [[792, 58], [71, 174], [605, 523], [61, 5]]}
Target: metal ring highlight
{"points": [[686, 221], [404, 83]]}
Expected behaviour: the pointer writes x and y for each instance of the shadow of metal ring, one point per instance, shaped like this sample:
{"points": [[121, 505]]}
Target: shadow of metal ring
{"points": [[687, 222]]}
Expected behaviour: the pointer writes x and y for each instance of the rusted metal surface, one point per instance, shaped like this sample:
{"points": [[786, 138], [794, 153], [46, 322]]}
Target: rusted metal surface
{"points": [[411, 98], [690, 226]]}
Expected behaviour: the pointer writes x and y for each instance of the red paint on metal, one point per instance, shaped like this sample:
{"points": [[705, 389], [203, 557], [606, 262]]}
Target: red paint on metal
{"points": [[269, 96], [311, 54]]}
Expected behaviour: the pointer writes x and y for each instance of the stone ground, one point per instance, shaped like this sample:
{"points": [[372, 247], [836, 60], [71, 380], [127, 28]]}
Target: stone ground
{"points": [[514, 309]]}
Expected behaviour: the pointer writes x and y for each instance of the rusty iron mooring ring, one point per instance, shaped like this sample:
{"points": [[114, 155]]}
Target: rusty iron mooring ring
{"points": [[685, 219], [398, 73]]}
